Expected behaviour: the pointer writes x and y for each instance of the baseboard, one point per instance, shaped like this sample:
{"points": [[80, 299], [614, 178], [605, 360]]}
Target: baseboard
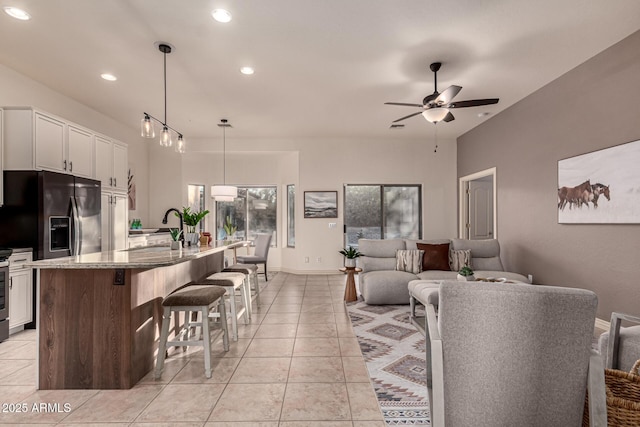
{"points": [[602, 324]]}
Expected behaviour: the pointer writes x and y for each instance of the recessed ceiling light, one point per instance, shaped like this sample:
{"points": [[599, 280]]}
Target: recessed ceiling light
{"points": [[221, 15], [109, 77], [14, 12], [247, 70]]}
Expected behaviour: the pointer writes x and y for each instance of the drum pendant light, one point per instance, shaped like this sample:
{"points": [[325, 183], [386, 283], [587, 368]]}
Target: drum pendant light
{"points": [[224, 192]]}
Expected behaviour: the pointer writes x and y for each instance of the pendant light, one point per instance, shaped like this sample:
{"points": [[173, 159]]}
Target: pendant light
{"points": [[224, 192], [146, 124]]}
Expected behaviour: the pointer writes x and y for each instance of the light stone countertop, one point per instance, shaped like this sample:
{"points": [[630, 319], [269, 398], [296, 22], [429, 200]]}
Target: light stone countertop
{"points": [[145, 257]]}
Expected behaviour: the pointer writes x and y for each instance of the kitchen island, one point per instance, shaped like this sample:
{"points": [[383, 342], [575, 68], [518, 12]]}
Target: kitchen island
{"points": [[100, 313]]}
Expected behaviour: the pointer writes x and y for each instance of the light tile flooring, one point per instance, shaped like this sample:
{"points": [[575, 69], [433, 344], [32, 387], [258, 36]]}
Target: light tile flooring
{"points": [[296, 364]]}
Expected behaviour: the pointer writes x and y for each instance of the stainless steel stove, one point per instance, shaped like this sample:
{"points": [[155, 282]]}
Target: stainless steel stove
{"points": [[5, 285]]}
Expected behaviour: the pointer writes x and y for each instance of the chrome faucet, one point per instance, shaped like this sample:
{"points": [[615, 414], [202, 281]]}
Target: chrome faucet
{"points": [[179, 215]]}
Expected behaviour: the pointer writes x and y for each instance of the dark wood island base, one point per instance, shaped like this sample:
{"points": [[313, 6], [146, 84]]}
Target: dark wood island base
{"points": [[99, 327]]}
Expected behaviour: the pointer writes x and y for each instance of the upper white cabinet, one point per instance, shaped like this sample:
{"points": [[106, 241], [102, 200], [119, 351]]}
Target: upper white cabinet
{"points": [[1, 160], [80, 151], [35, 140], [111, 164]]}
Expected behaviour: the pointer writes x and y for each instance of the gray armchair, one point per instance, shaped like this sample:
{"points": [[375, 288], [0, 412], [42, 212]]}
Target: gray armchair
{"points": [[261, 253], [504, 354], [624, 349]]}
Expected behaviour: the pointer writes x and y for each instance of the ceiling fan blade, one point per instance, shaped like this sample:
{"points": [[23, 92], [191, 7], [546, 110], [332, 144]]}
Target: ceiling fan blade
{"points": [[403, 104], [449, 117], [448, 94], [473, 103], [406, 117]]}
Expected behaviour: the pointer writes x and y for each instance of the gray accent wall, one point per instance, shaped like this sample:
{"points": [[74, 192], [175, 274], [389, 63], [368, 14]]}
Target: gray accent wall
{"points": [[594, 106]]}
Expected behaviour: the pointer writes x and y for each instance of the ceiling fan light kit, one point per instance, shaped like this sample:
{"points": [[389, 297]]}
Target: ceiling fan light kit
{"points": [[436, 107], [147, 129]]}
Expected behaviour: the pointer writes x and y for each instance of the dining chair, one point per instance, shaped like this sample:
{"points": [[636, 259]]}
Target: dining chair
{"points": [[261, 253]]}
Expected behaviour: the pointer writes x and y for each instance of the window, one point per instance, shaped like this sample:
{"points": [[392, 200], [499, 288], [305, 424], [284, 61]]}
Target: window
{"points": [[291, 216], [252, 212], [382, 212], [195, 200]]}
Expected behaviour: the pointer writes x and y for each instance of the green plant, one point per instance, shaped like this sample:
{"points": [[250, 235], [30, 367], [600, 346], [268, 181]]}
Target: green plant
{"points": [[175, 234], [350, 253], [465, 271], [228, 226], [191, 219]]}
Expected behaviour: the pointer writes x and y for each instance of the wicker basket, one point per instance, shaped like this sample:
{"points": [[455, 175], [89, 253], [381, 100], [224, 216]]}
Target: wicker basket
{"points": [[623, 398]]}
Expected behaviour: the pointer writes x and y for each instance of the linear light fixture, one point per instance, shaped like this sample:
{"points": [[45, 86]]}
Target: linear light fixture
{"points": [[147, 128], [224, 192]]}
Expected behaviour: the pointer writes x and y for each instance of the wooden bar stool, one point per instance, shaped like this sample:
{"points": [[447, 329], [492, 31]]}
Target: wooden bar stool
{"points": [[233, 283], [251, 275], [200, 299]]}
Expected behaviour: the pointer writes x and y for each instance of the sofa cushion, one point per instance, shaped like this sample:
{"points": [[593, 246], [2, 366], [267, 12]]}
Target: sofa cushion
{"points": [[438, 275], [436, 257], [380, 248], [385, 287], [459, 259], [409, 261], [485, 254], [412, 243], [368, 263]]}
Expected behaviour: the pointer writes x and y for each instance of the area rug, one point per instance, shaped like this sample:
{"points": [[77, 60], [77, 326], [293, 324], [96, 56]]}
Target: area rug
{"points": [[394, 352]]}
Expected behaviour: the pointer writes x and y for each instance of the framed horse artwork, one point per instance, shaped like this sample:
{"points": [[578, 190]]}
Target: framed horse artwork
{"points": [[600, 187]]}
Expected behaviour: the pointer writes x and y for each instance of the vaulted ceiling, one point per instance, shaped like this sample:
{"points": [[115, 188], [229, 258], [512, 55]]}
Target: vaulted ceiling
{"points": [[322, 68]]}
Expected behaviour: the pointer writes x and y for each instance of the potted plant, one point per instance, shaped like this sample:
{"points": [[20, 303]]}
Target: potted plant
{"points": [[350, 254], [466, 273], [191, 220], [175, 238], [229, 228]]}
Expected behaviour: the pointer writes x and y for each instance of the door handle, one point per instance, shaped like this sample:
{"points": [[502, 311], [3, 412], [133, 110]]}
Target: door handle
{"points": [[70, 166], [111, 181], [65, 165], [115, 182]]}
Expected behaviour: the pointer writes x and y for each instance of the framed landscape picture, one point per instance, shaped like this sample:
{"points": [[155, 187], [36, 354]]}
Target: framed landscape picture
{"points": [[320, 204], [601, 187]]}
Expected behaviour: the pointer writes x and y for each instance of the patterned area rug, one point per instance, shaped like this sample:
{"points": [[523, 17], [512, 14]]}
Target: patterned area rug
{"points": [[395, 355]]}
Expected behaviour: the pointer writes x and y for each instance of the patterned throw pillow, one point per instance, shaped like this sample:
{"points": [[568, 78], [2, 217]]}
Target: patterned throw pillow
{"points": [[459, 259], [409, 261]]}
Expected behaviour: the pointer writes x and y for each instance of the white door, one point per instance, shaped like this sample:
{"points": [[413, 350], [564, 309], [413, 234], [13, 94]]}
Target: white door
{"points": [[104, 161], [120, 167], [20, 297], [481, 209]]}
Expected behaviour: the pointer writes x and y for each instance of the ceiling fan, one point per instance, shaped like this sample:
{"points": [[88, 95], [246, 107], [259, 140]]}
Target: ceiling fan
{"points": [[435, 107]]}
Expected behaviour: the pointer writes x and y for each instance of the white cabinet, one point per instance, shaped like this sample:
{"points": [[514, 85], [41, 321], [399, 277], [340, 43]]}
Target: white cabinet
{"points": [[35, 140], [111, 163], [50, 150], [20, 291], [115, 226], [80, 151]]}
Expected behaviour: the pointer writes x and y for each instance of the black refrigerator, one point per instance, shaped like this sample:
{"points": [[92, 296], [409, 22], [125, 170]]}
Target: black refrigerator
{"points": [[56, 214]]}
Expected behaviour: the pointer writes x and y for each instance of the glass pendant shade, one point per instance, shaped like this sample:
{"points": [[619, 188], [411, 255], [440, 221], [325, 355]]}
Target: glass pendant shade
{"points": [[224, 193], [165, 137], [435, 115], [147, 130], [180, 145]]}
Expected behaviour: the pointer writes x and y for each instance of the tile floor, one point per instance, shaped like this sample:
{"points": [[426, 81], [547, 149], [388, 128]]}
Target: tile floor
{"points": [[297, 364]]}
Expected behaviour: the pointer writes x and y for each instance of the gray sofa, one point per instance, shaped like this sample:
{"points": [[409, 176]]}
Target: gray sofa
{"points": [[380, 282]]}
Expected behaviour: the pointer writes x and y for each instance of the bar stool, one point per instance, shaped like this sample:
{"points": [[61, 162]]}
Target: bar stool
{"points": [[200, 299], [251, 274], [232, 282]]}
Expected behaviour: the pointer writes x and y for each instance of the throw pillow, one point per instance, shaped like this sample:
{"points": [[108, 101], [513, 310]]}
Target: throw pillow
{"points": [[459, 259], [409, 261], [436, 257]]}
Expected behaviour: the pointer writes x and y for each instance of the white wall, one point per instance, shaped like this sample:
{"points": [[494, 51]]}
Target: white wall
{"points": [[312, 164], [18, 90]]}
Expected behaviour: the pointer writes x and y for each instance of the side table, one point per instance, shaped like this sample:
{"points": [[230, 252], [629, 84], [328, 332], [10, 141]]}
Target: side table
{"points": [[350, 288]]}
